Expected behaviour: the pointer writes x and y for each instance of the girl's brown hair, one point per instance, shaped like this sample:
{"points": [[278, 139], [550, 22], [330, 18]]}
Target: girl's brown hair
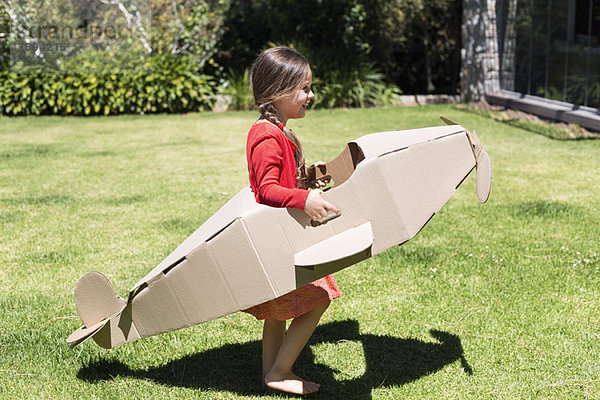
{"points": [[277, 73]]}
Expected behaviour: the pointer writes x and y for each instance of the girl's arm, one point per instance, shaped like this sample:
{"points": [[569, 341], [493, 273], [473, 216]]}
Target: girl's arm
{"points": [[267, 161]]}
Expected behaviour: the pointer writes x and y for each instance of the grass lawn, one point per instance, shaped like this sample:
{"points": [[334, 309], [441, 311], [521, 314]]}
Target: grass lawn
{"points": [[489, 301]]}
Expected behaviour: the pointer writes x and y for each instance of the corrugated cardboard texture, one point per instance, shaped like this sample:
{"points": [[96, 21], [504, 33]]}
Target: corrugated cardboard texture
{"points": [[388, 186], [336, 247], [96, 299]]}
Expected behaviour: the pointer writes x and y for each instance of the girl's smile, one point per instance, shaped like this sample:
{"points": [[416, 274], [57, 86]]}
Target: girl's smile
{"points": [[295, 105]]}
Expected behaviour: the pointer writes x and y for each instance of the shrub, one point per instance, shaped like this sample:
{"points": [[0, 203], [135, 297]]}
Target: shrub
{"points": [[344, 79], [163, 83], [237, 86], [357, 85], [413, 43]]}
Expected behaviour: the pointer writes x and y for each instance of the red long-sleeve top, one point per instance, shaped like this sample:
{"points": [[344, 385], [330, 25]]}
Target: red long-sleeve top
{"points": [[271, 166]]}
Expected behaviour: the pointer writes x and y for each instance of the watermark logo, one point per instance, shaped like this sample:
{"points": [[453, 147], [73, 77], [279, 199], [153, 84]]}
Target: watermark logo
{"points": [[65, 36]]}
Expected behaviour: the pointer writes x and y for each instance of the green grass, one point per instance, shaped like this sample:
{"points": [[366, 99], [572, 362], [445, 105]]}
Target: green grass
{"points": [[496, 301]]}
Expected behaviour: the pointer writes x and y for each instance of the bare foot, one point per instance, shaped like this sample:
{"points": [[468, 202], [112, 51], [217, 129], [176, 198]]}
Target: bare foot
{"points": [[291, 383]]}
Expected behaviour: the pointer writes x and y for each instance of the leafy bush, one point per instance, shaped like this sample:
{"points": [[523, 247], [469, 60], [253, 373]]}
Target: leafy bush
{"points": [[111, 76], [203, 48], [345, 80], [415, 44], [189, 27], [163, 83], [252, 25], [358, 85], [238, 87]]}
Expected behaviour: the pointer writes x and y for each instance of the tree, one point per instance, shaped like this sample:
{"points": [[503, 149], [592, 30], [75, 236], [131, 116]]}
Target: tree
{"points": [[480, 61]]}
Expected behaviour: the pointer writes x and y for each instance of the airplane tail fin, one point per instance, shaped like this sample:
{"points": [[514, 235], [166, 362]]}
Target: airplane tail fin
{"points": [[96, 301]]}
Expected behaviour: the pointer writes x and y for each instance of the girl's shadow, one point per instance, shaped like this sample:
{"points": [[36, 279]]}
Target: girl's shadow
{"points": [[389, 361]]}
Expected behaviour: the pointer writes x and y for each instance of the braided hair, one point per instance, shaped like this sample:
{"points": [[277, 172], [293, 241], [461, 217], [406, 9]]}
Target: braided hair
{"points": [[277, 73]]}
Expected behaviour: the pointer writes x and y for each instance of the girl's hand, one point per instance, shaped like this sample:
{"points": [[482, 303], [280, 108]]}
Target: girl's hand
{"points": [[316, 207]]}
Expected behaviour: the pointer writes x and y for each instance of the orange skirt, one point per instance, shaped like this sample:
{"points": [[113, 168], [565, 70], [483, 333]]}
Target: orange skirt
{"points": [[299, 301]]}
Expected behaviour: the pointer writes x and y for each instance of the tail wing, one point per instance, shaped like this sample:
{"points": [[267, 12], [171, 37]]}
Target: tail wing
{"points": [[96, 301]]}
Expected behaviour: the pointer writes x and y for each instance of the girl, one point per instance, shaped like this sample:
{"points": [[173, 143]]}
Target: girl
{"points": [[281, 80]]}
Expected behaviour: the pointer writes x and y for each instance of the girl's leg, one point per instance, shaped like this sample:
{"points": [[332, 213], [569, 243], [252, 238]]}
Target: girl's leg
{"points": [[280, 375], [273, 334]]}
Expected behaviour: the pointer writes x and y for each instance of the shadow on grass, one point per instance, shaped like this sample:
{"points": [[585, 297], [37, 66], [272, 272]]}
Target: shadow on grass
{"points": [[545, 209], [236, 368], [30, 151], [47, 200]]}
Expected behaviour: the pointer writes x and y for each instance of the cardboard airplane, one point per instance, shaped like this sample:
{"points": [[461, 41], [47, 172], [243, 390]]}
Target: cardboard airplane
{"points": [[388, 185]]}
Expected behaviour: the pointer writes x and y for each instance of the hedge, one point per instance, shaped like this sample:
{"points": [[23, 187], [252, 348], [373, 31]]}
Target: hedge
{"points": [[164, 83]]}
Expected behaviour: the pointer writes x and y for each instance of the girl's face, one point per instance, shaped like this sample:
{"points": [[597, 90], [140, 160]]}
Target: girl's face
{"points": [[294, 105]]}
